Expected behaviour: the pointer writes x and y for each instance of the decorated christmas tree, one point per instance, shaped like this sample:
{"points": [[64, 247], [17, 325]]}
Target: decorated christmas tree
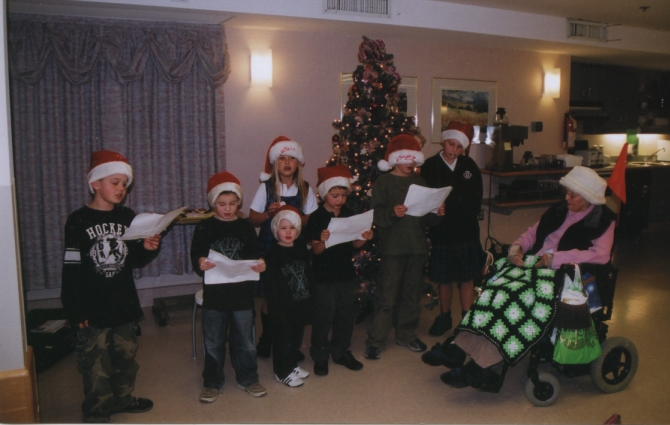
{"points": [[375, 112]]}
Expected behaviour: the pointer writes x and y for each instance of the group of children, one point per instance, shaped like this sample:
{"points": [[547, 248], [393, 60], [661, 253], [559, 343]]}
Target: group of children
{"points": [[99, 296]]}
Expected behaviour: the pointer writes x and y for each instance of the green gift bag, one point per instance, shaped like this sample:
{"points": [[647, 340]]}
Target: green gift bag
{"points": [[577, 346]]}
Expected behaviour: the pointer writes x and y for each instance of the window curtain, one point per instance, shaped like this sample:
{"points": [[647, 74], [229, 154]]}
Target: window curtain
{"points": [[152, 91]]}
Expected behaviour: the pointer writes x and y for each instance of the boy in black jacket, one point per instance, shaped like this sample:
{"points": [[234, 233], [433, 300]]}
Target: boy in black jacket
{"points": [[98, 290], [227, 308]]}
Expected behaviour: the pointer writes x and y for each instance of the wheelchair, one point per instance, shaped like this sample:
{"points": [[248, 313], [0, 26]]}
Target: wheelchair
{"points": [[611, 372]]}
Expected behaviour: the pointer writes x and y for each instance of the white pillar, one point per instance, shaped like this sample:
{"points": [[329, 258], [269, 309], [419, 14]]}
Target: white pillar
{"points": [[12, 333]]}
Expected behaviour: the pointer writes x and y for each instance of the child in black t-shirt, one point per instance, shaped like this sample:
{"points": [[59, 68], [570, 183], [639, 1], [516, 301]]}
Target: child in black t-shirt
{"points": [[98, 290], [227, 309], [333, 273], [287, 294]]}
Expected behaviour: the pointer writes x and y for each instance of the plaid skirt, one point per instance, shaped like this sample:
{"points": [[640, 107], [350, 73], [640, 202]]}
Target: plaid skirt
{"points": [[460, 262]]}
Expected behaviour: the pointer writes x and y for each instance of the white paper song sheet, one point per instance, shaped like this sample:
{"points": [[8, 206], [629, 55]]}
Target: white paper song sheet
{"points": [[146, 225], [349, 228], [422, 200], [229, 271]]}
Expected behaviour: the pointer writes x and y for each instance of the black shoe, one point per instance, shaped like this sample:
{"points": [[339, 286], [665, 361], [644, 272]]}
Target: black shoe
{"points": [[321, 368], [347, 360], [454, 356], [373, 353], [138, 405], [417, 345], [441, 324], [462, 377]]}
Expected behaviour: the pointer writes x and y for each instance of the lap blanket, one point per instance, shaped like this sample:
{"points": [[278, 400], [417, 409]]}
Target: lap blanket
{"points": [[515, 309]]}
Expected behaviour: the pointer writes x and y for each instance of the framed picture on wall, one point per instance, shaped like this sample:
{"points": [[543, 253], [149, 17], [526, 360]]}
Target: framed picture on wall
{"points": [[468, 101], [407, 91]]}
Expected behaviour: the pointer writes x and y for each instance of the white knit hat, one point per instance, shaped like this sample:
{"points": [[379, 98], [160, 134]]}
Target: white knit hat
{"points": [[286, 212], [106, 163], [223, 182], [587, 183]]}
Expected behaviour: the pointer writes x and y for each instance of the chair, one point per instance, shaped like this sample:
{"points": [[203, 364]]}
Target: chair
{"points": [[198, 302]]}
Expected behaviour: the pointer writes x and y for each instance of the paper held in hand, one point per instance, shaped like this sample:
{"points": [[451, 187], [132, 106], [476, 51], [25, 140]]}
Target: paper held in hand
{"points": [[349, 228], [422, 200], [146, 225], [229, 271]]}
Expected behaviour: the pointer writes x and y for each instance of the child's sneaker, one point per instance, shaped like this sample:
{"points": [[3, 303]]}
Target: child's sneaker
{"points": [[208, 395], [254, 390], [302, 373], [292, 380]]}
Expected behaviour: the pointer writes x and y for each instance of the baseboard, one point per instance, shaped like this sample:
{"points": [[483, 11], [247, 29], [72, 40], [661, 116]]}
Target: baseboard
{"points": [[19, 402]]}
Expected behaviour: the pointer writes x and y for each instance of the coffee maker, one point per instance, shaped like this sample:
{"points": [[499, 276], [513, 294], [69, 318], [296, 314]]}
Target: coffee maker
{"points": [[505, 138]]}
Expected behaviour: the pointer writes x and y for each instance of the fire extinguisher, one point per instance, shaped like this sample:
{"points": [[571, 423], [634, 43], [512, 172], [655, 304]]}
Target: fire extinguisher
{"points": [[569, 131]]}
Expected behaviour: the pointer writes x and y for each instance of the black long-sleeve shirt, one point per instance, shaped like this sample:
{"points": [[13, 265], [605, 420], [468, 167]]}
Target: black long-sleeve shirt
{"points": [[97, 278], [236, 240], [463, 204]]}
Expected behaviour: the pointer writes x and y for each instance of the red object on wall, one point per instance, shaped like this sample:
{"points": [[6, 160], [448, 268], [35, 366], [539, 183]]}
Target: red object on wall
{"points": [[617, 181]]}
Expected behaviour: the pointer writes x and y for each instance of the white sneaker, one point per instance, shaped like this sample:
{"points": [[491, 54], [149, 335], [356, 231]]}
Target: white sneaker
{"points": [[302, 373], [292, 380]]}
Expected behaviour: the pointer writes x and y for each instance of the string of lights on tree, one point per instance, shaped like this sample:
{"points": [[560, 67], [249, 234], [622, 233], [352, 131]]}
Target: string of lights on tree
{"points": [[373, 115]]}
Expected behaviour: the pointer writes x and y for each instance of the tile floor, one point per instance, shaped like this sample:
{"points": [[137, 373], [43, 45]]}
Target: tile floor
{"points": [[399, 388]]}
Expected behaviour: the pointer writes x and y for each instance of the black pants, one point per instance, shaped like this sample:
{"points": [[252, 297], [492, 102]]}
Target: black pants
{"points": [[287, 324], [333, 308]]}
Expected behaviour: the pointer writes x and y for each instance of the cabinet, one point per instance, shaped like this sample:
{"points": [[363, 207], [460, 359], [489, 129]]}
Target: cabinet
{"points": [[621, 98]]}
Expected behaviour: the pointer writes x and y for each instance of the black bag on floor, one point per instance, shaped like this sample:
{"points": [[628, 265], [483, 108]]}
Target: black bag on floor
{"points": [[50, 335]]}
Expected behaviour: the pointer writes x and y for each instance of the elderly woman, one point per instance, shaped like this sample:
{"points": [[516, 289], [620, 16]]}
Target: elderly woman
{"points": [[517, 305]]}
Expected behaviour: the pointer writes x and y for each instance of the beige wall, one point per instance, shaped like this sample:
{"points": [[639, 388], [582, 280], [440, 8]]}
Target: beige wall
{"points": [[305, 97]]}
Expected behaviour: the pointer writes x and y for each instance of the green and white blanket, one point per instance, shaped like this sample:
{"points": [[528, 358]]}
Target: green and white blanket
{"points": [[515, 309]]}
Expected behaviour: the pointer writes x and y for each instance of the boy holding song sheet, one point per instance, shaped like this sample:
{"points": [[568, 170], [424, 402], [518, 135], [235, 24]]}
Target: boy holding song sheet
{"points": [[227, 307], [333, 273]]}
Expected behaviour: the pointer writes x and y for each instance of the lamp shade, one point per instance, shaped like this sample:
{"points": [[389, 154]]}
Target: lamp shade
{"points": [[552, 83], [261, 68]]}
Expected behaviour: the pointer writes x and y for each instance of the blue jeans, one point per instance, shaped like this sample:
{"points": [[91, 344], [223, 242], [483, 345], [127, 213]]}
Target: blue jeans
{"points": [[237, 327]]}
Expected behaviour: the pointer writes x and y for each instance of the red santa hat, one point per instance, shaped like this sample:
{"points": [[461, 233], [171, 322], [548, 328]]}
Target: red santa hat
{"points": [[402, 149], [223, 182], [282, 145], [106, 163], [286, 212], [459, 131], [330, 177]]}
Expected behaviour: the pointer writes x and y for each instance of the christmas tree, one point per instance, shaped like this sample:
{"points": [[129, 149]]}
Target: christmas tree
{"points": [[375, 112]]}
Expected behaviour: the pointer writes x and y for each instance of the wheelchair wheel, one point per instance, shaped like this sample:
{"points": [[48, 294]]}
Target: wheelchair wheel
{"points": [[544, 394], [616, 366]]}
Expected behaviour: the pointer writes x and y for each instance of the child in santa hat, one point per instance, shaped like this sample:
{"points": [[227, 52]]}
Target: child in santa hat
{"points": [[402, 244], [456, 254], [227, 309], [333, 274], [287, 294], [281, 183], [98, 290]]}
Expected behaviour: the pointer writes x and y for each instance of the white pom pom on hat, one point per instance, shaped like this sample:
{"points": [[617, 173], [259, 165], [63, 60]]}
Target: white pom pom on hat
{"points": [[223, 182], [402, 149], [282, 145], [106, 163]]}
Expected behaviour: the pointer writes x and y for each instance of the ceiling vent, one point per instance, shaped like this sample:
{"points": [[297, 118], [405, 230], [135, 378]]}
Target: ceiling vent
{"points": [[595, 31], [358, 7]]}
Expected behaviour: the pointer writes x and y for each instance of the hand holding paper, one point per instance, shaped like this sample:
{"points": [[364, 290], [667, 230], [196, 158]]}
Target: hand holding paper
{"points": [[146, 225], [226, 270], [422, 200], [348, 229]]}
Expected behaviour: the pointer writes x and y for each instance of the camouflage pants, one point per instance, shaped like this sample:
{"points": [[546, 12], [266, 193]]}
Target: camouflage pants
{"points": [[106, 360]]}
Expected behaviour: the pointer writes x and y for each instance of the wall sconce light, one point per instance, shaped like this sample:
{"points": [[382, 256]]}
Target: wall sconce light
{"points": [[552, 83], [261, 68]]}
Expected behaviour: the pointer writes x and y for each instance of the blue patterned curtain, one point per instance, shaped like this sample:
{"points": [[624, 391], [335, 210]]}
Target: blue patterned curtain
{"points": [[152, 91]]}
